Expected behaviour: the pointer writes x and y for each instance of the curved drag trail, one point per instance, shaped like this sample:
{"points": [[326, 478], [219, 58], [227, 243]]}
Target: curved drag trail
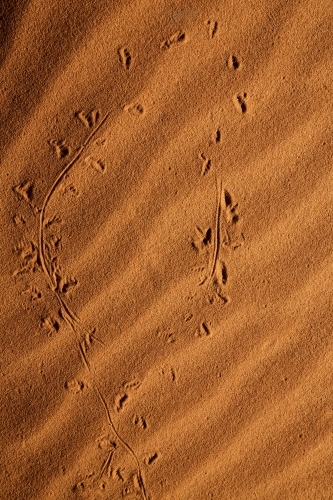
{"points": [[166, 250]]}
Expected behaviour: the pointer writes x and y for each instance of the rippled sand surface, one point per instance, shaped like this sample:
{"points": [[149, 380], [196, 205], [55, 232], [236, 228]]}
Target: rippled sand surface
{"points": [[166, 250]]}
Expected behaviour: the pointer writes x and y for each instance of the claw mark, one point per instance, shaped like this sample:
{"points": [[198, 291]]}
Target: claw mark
{"points": [[141, 421], [212, 28], [96, 164], [240, 103], [174, 39], [50, 324], [117, 474], [30, 261], [207, 163], [120, 401], [90, 119], [203, 330], [202, 239], [168, 337], [125, 57], [24, 191], [135, 109], [54, 220], [169, 372], [233, 63], [74, 385], [71, 189], [34, 293], [60, 147], [151, 459], [132, 385], [18, 220]]}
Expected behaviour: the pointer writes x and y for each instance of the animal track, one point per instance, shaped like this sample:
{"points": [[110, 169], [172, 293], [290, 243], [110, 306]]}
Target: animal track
{"points": [[74, 385], [34, 293], [65, 285], [233, 63], [226, 235], [85, 344], [118, 474], [223, 272], [202, 239], [54, 242], [71, 189], [240, 103], [218, 296], [217, 136], [89, 119], [212, 28], [79, 487], [54, 220], [122, 398], [218, 282], [61, 285], [28, 253], [101, 142], [120, 401], [203, 330], [109, 446], [125, 57], [169, 372], [140, 421], [174, 39], [50, 323], [96, 164], [106, 444], [151, 458], [132, 385], [18, 220], [132, 487], [60, 147], [206, 165], [168, 337], [24, 191], [135, 109], [234, 238]]}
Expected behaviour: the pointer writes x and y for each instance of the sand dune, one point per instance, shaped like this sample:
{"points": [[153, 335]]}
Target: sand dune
{"points": [[166, 245]]}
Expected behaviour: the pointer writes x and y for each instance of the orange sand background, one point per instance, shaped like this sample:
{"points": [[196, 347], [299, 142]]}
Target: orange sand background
{"points": [[166, 250]]}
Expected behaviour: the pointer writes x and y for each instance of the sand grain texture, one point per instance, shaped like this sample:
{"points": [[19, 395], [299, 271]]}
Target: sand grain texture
{"points": [[166, 250]]}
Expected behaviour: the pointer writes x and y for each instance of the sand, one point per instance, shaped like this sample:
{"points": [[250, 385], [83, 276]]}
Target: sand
{"points": [[166, 250]]}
